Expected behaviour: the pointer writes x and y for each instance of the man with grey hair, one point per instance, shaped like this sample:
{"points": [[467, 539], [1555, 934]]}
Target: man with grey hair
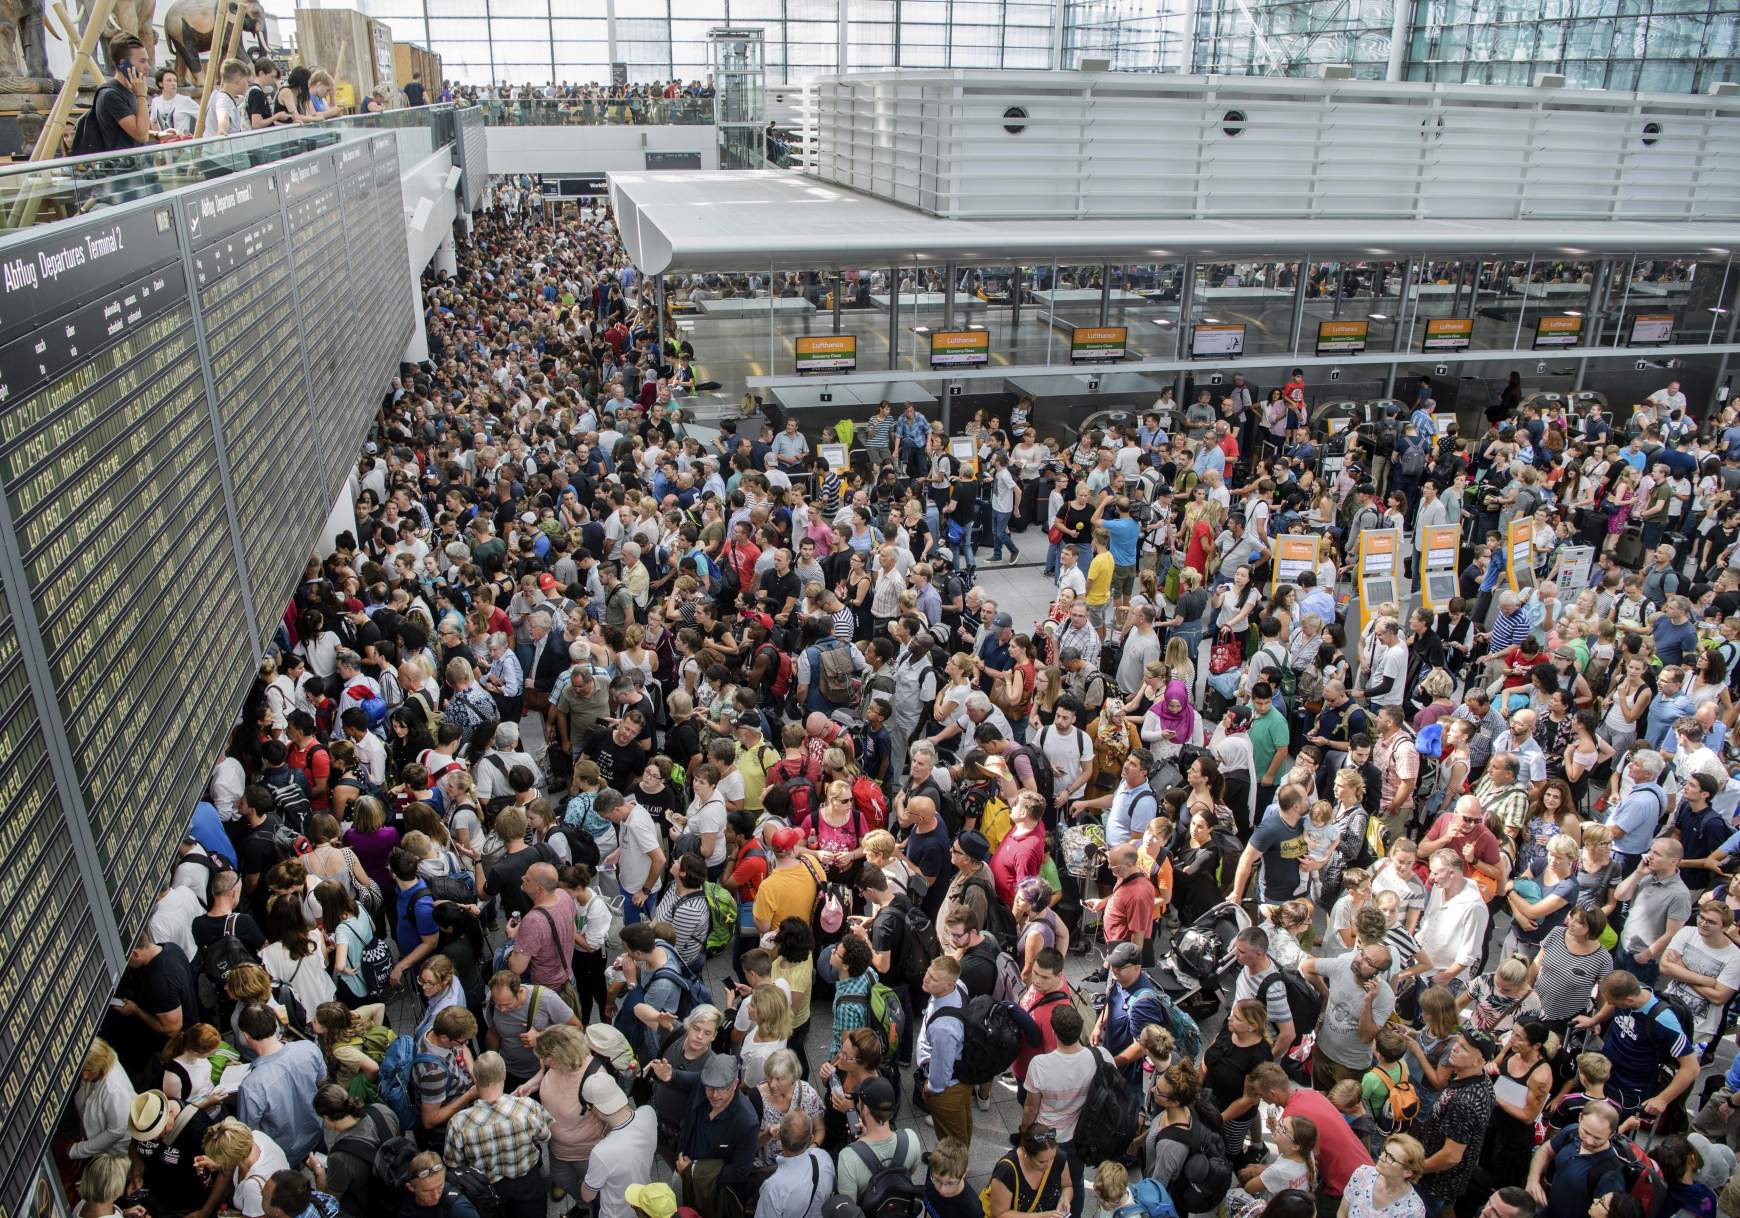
{"points": [[803, 1177], [1660, 905], [355, 685], [542, 658], [975, 712], [470, 705], [1642, 804], [1509, 628], [493, 768]]}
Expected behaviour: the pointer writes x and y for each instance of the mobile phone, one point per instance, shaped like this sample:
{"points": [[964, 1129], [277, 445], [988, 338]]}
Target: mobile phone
{"points": [[116, 1003]]}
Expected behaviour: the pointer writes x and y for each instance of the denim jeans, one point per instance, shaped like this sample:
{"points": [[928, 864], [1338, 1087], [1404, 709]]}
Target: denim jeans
{"points": [[933, 519], [1052, 551], [1000, 536], [968, 555]]}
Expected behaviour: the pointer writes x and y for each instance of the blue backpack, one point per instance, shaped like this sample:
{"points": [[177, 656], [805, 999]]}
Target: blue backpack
{"points": [[1148, 1199], [398, 1089], [1430, 741]]}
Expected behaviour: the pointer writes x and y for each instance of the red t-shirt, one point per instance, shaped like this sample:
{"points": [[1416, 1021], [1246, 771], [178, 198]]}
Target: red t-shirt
{"points": [[751, 869], [318, 774], [1339, 1150], [1485, 845], [1230, 446], [1514, 658], [1017, 856], [1130, 909], [1042, 1013]]}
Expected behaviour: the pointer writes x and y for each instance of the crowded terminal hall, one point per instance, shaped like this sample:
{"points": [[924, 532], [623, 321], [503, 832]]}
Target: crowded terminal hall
{"points": [[638, 814]]}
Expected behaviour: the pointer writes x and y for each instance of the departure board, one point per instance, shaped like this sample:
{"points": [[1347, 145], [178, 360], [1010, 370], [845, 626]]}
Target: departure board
{"points": [[471, 148], [321, 271], [46, 931], [241, 275]]}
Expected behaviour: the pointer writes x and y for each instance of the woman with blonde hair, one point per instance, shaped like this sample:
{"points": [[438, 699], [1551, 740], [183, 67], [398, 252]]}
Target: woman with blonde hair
{"points": [[883, 853], [1385, 1189], [961, 671], [104, 1097], [248, 1157], [770, 1012], [575, 1127], [248, 984], [101, 1184]]}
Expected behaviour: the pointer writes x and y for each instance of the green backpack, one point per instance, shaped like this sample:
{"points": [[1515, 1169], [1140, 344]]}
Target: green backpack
{"points": [[883, 1014], [722, 906]]}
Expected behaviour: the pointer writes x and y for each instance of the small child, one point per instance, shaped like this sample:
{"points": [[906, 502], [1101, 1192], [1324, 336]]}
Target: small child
{"points": [[1385, 1081], [946, 1194], [1321, 838], [1592, 1073], [1111, 1185], [1349, 1101]]}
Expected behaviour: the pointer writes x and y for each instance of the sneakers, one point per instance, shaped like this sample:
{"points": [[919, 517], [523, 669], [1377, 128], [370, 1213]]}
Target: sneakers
{"points": [[983, 1102]]}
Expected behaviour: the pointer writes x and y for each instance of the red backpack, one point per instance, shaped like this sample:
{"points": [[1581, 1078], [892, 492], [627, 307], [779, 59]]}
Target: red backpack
{"points": [[871, 802], [783, 671]]}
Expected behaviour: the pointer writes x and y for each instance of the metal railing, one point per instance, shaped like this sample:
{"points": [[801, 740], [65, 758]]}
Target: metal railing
{"points": [[45, 192], [600, 112]]}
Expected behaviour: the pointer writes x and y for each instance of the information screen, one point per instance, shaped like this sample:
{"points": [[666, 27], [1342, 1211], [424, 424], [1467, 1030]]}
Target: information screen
{"points": [[1216, 340], [960, 348], [1342, 337], [1448, 334], [1652, 329], [1558, 331]]}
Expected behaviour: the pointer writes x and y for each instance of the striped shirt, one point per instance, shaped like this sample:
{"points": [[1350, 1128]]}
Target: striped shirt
{"points": [[690, 916], [502, 1138], [1508, 631], [876, 432], [1566, 982], [845, 624]]}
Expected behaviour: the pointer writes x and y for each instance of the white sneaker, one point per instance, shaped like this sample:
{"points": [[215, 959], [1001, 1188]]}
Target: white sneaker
{"points": [[983, 1101]]}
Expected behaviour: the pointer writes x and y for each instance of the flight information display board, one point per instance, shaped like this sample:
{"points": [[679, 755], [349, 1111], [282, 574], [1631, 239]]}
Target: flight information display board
{"points": [[241, 273], [247, 324], [471, 147], [46, 931]]}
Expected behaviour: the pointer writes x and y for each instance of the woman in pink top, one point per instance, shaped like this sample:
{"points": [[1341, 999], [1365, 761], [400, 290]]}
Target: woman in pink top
{"points": [[1021, 853], [574, 1127]]}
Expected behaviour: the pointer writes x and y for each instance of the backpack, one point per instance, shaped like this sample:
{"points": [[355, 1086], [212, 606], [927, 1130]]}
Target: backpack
{"points": [[783, 669], [890, 1191], [287, 843], [1042, 775], [213, 864], [991, 1039], [1643, 1178], [1186, 1033], [1412, 462], [219, 957], [993, 814], [1148, 1199], [87, 135], [1111, 1116], [1000, 922], [722, 908], [374, 966], [371, 704], [290, 801], [883, 1014], [398, 1089], [869, 803], [1401, 1106], [1430, 741], [582, 846], [919, 944], [364, 1152], [1207, 1174], [835, 679], [1306, 1004], [1077, 998], [458, 888], [1008, 985], [690, 992]]}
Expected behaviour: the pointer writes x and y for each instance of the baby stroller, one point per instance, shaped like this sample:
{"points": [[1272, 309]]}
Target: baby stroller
{"points": [[1200, 959]]}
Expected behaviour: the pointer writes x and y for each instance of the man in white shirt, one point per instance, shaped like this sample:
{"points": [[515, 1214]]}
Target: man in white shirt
{"points": [[229, 117], [1069, 751], [624, 1156], [1387, 682], [171, 919], [370, 750], [1669, 399], [494, 767], [355, 685], [1453, 929]]}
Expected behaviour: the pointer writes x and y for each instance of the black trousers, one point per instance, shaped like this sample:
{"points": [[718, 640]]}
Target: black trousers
{"points": [[589, 984], [523, 1196]]}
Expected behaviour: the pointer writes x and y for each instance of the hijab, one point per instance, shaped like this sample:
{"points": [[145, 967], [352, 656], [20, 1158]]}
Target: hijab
{"points": [[1182, 721]]}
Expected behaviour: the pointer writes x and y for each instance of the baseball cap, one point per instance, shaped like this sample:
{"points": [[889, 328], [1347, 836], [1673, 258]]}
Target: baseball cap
{"points": [[787, 839], [877, 1092], [1122, 955], [1483, 1043], [654, 1200], [974, 846], [720, 1071], [747, 719], [546, 581], [602, 1093], [1003, 621], [148, 1116]]}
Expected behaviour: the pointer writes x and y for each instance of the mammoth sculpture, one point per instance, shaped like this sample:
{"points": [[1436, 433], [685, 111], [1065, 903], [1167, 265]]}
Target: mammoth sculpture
{"points": [[128, 17], [23, 39], [188, 27]]}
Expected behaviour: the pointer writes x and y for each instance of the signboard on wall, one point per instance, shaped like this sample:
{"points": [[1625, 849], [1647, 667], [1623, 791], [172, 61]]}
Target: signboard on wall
{"points": [[1217, 340], [959, 348], [1092, 343], [827, 353], [1652, 329], [1342, 337], [1558, 331], [1448, 334], [673, 160]]}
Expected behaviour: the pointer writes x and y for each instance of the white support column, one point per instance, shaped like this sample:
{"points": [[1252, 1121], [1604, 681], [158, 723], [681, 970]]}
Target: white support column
{"points": [[1401, 32], [417, 350], [446, 258]]}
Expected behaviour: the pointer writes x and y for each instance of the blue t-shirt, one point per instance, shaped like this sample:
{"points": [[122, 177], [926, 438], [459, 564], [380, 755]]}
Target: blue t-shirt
{"points": [[1579, 1178], [1674, 644], [1639, 1043], [416, 916], [1124, 534]]}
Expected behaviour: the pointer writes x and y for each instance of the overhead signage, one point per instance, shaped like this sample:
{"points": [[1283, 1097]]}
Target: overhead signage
{"points": [[1558, 331], [1293, 555], [1448, 334], [1090, 343], [827, 353], [959, 348], [1342, 337], [1217, 340], [1652, 329], [673, 160]]}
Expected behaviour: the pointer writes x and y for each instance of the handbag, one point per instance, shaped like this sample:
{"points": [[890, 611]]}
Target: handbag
{"points": [[1055, 534], [1227, 654]]}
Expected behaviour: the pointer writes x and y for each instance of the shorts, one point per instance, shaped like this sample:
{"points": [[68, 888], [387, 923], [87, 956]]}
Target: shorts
{"points": [[1101, 615], [1123, 582]]}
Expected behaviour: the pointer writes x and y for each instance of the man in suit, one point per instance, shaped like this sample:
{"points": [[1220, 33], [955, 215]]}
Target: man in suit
{"points": [[543, 659]]}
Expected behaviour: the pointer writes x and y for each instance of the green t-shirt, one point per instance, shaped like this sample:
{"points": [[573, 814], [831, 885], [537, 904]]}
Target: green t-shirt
{"points": [[1372, 1089], [1269, 735]]}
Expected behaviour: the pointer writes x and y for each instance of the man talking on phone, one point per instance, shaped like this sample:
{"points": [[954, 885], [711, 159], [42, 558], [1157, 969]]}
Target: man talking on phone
{"points": [[121, 109]]}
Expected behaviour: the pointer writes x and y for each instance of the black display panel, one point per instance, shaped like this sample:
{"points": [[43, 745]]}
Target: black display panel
{"points": [[321, 270], [471, 147]]}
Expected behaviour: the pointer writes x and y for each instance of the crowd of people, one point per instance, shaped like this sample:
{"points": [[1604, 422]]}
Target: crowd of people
{"points": [[628, 820]]}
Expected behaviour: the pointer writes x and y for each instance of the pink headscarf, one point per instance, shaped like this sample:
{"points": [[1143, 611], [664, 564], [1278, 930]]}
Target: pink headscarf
{"points": [[1175, 712]]}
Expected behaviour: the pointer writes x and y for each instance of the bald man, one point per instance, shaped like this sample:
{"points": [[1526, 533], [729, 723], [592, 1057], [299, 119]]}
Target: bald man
{"points": [[1520, 739], [544, 939]]}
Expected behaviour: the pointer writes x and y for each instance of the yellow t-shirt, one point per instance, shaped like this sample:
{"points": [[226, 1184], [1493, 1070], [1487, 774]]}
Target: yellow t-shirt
{"points": [[1099, 581], [787, 892], [753, 767]]}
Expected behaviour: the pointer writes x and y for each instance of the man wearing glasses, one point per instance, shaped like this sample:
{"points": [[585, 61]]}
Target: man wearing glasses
{"points": [[1359, 1004]]}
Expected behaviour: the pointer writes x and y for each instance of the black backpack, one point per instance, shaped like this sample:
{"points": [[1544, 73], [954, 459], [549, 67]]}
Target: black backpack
{"points": [[1000, 922], [367, 1194], [1042, 775], [1111, 1117], [581, 846], [88, 132], [890, 1191], [217, 959], [1303, 998], [290, 802], [990, 1040], [1207, 1174], [919, 945]]}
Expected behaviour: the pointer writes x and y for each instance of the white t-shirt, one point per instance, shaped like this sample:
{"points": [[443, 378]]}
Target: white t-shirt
{"points": [[1392, 663], [249, 1188], [1721, 964], [171, 919], [621, 1158], [743, 1022], [1061, 1081], [637, 838], [1073, 578], [227, 781], [307, 977], [730, 788], [1068, 757], [709, 817]]}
